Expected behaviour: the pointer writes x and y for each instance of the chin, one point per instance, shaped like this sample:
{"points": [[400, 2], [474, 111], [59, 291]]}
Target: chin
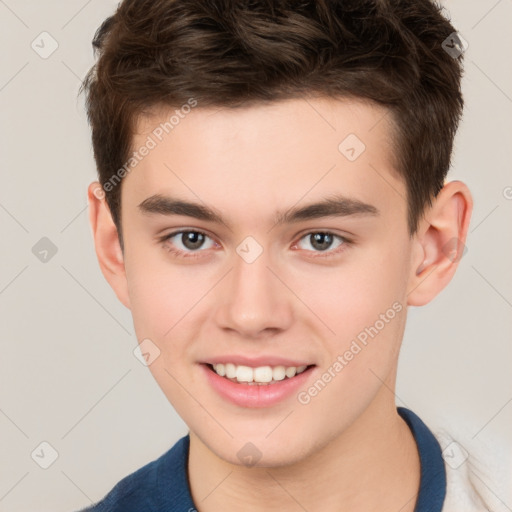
{"points": [[260, 452]]}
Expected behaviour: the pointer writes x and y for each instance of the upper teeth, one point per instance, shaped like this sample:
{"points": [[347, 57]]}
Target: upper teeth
{"points": [[261, 374]]}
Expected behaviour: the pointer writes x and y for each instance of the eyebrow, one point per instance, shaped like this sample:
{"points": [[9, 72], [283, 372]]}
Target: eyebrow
{"points": [[333, 206]]}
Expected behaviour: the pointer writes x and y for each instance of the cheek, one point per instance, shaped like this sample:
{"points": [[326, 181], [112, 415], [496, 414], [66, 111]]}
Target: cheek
{"points": [[362, 309], [162, 296], [163, 303], [367, 313], [354, 296]]}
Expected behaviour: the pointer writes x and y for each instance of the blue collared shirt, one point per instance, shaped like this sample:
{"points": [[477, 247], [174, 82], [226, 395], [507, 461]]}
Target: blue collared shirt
{"points": [[162, 485]]}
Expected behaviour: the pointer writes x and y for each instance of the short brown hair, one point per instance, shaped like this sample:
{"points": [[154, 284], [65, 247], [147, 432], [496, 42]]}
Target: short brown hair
{"points": [[232, 53]]}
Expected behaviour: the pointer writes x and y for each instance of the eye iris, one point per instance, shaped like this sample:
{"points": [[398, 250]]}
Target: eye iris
{"points": [[192, 240], [321, 241]]}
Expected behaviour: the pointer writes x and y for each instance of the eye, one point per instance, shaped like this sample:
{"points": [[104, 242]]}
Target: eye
{"points": [[186, 243], [322, 241]]}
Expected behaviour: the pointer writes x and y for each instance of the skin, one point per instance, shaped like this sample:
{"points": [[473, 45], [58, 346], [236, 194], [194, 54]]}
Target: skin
{"points": [[347, 447]]}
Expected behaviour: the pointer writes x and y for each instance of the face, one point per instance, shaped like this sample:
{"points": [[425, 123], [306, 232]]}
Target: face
{"points": [[229, 266]]}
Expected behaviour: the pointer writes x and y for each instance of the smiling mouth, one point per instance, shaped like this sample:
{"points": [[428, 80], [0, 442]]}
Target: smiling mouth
{"points": [[259, 376]]}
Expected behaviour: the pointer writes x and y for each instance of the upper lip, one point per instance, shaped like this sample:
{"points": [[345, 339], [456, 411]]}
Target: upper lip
{"points": [[255, 362]]}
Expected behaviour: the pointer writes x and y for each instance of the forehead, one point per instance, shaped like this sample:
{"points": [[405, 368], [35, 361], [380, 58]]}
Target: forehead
{"points": [[253, 158]]}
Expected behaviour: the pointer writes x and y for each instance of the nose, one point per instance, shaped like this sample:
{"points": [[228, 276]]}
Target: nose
{"points": [[253, 301]]}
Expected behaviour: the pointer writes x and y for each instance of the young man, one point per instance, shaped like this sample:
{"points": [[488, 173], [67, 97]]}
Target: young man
{"points": [[271, 199]]}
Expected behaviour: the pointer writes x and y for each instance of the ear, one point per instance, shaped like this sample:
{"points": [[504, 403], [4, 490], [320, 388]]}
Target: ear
{"points": [[439, 243], [106, 241]]}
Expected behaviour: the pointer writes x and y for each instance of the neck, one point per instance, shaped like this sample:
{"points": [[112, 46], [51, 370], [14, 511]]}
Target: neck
{"points": [[373, 465]]}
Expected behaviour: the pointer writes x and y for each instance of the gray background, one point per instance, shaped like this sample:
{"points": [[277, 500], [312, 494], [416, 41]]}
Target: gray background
{"points": [[68, 375]]}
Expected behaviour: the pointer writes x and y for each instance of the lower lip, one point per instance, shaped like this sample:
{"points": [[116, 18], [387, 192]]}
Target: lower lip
{"points": [[246, 395]]}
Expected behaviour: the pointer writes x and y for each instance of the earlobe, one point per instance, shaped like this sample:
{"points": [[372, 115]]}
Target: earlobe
{"points": [[439, 243], [106, 241]]}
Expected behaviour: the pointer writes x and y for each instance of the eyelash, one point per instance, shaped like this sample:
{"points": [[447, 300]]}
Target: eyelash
{"points": [[195, 254]]}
